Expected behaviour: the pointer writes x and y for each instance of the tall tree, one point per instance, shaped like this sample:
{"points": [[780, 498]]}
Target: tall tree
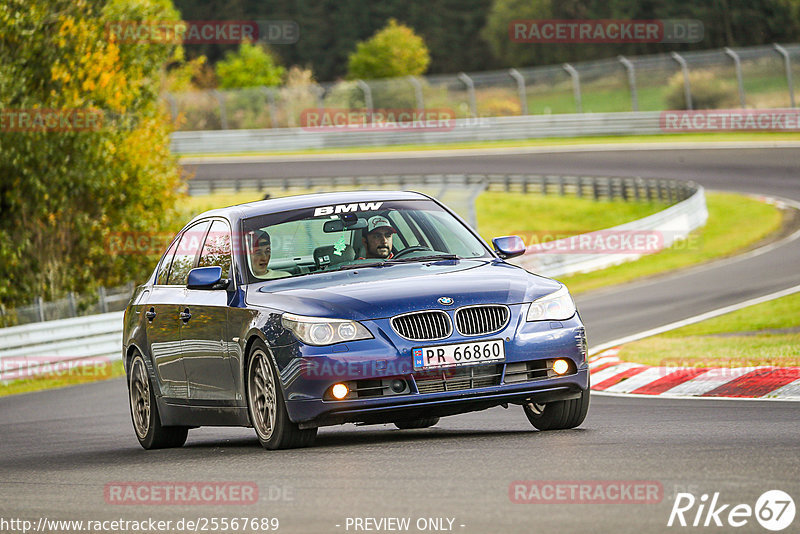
{"points": [[66, 189]]}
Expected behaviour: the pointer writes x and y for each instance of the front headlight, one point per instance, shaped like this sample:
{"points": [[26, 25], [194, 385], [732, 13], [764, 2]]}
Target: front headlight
{"points": [[320, 331], [556, 306]]}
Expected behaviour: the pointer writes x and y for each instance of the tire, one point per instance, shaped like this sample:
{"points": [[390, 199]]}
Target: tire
{"points": [[144, 411], [267, 408], [423, 422], [558, 415]]}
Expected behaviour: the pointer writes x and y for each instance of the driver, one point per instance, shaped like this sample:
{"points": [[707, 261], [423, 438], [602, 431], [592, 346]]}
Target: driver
{"points": [[259, 257], [378, 238]]}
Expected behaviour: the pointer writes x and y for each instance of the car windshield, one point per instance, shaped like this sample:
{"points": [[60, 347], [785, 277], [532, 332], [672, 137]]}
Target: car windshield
{"points": [[371, 234]]}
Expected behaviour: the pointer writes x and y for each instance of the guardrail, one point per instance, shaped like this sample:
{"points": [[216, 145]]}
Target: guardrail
{"points": [[52, 347], [464, 130], [665, 227], [36, 348]]}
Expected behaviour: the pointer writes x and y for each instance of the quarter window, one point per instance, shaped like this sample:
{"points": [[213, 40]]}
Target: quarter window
{"points": [[185, 255], [163, 271], [217, 249]]}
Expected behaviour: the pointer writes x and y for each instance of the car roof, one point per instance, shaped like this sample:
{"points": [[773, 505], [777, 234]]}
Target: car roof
{"points": [[275, 205]]}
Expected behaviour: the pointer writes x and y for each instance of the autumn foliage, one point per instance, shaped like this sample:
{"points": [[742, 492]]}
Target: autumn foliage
{"points": [[64, 191]]}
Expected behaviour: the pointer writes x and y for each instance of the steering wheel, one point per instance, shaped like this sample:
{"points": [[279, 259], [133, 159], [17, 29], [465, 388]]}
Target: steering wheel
{"points": [[416, 248]]}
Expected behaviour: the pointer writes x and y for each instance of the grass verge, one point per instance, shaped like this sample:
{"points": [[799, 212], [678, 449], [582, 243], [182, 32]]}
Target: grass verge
{"points": [[735, 222], [764, 334]]}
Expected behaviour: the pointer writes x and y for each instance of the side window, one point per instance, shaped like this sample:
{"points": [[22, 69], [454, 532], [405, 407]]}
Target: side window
{"points": [[217, 249], [188, 247], [163, 271]]}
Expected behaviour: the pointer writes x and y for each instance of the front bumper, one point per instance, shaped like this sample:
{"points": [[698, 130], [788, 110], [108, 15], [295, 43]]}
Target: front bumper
{"points": [[314, 413], [307, 373]]}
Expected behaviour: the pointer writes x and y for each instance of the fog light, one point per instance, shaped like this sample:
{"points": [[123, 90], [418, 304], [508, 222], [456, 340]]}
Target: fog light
{"points": [[560, 367], [340, 391], [398, 386]]}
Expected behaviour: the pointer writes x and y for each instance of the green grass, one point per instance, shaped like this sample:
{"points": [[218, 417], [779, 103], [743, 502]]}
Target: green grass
{"points": [[735, 222], [29, 385], [715, 343], [776, 314], [543, 142], [534, 216]]}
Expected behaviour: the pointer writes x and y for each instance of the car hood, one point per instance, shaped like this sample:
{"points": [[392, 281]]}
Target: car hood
{"points": [[379, 292]]}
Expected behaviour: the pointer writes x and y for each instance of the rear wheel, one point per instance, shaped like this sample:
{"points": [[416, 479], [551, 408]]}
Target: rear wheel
{"points": [[267, 408], [558, 415], [423, 422], [144, 411]]}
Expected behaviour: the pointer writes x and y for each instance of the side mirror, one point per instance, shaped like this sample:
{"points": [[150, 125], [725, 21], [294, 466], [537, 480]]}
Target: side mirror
{"points": [[207, 278], [509, 246]]}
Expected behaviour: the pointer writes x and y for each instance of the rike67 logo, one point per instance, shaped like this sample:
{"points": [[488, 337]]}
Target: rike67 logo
{"points": [[774, 510]]}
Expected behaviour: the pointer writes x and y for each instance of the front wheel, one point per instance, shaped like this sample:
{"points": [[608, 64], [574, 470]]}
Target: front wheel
{"points": [[558, 415], [144, 412], [267, 408]]}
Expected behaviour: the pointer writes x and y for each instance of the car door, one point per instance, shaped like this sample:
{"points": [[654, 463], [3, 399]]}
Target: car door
{"points": [[163, 330], [204, 328]]}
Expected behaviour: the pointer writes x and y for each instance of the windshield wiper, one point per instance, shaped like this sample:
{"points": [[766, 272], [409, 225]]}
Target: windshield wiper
{"points": [[430, 257], [349, 266]]}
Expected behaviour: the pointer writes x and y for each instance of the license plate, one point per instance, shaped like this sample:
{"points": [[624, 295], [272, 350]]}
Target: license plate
{"points": [[459, 354]]}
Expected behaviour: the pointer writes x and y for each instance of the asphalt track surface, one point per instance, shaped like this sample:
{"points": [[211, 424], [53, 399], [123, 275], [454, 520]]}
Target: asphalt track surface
{"points": [[58, 449]]}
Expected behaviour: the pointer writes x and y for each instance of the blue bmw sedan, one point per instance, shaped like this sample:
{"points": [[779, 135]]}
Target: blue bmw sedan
{"points": [[368, 307]]}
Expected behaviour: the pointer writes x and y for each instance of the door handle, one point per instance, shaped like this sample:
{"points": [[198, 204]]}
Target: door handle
{"points": [[150, 314], [185, 315]]}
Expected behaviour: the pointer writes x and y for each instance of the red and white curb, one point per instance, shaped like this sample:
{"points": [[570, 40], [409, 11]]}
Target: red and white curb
{"points": [[611, 375]]}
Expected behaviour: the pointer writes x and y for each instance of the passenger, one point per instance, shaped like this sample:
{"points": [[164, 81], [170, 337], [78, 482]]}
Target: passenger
{"points": [[378, 238], [259, 257]]}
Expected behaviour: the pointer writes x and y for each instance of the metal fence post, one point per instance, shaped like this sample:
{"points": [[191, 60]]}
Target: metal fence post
{"points": [[223, 115], [273, 110], [738, 64], [418, 98], [173, 107], [523, 98], [473, 104], [73, 309], [787, 62], [367, 90], [101, 292], [473, 197], [687, 88], [40, 308], [631, 70], [576, 86]]}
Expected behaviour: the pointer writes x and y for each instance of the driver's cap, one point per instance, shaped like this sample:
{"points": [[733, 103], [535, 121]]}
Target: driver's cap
{"points": [[379, 222]]}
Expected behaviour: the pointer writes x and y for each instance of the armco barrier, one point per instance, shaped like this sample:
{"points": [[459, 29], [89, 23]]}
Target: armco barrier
{"points": [[465, 130], [670, 225], [49, 343]]}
